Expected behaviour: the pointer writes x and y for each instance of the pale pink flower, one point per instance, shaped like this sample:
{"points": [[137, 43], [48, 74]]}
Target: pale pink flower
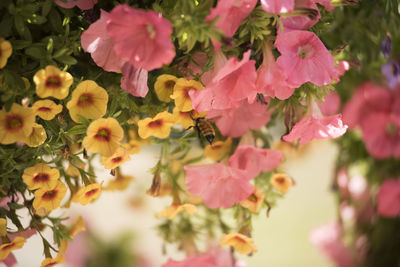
{"points": [[303, 21], [218, 185], [304, 58], [134, 80], [11, 260], [359, 189], [388, 198], [254, 160], [278, 6], [331, 104], [82, 4], [236, 122], [141, 37], [347, 212], [235, 81], [96, 41]]}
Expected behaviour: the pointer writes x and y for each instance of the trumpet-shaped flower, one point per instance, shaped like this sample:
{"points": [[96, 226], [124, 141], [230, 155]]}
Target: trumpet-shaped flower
{"points": [[73, 167], [50, 262], [49, 198], [282, 182], [164, 87], [88, 100], [306, 15], [37, 136], [5, 52], [88, 194], [6, 248], [331, 104], [133, 146], [186, 118], [278, 6], [388, 198], [96, 41], [52, 82], [181, 93], [121, 182], [241, 243], [218, 184], [119, 157], [82, 4], [159, 126], [254, 201], [175, 209], [16, 124], [134, 80], [103, 136], [40, 175], [46, 109], [218, 150], [141, 37]]}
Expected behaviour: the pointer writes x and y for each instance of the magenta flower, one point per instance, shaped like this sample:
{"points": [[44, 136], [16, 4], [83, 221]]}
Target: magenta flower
{"points": [[388, 198], [218, 185], [308, 16], [304, 58], [235, 81], [331, 104], [235, 122], [278, 6], [96, 41], [134, 80], [82, 4], [141, 37], [254, 160]]}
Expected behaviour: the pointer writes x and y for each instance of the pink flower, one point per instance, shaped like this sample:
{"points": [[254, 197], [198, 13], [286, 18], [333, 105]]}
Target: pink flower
{"points": [[231, 13], [304, 58], [331, 104], [11, 260], [271, 80], [308, 16], [99, 44], [82, 4], [254, 160], [218, 184], [388, 198], [134, 80], [278, 6], [195, 67], [235, 81], [235, 122], [141, 37]]}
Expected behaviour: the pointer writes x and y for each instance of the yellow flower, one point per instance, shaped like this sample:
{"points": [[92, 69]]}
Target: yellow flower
{"points": [[49, 198], [182, 118], [3, 227], [16, 124], [37, 136], [254, 201], [88, 100], [181, 93], [133, 146], [121, 182], [75, 228], [72, 170], [241, 243], [174, 209], [282, 182], [40, 175], [52, 82], [218, 150], [50, 262], [159, 126], [5, 52], [46, 109], [87, 194], [112, 162], [164, 87], [103, 136], [6, 248]]}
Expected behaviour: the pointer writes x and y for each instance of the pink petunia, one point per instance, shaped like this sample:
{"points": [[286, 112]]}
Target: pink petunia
{"points": [[308, 16], [254, 160], [388, 198], [218, 185], [235, 122], [304, 58], [96, 41], [141, 37], [234, 82], [134, 80], [271, 80], [82, 4], [278, 6], [331, 104]]}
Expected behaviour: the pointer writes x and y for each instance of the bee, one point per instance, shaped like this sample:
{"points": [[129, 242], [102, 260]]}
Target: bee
{"points": [[204, 127]]}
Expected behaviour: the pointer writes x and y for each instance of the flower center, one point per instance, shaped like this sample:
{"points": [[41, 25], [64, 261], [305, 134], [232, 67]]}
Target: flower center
{"points": [[150, 29], [395, 69], [14, 122], [51, 264], [184, 114], [44, 109], [85, 100], [9, 246], [91, 192], [50, 195], [116, 159], [156, 124], [41, 177], [305, 51], [103, 134], [280, 180], [186, 92], [252, 198], [169, 84], [53, 81], [391, 129], [239, 239]]}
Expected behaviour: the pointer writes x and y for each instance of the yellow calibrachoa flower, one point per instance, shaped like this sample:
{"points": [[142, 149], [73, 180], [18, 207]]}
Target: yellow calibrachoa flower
{"points": [[75, 228], [183, 118], [52, 82], [103, 136], [88, 194], [72, 170], [174, 209], [121, 182], [133, 146], [112, 162], [88, 100], [46, 109], [37, 136], [159, 126], [40, 175], [282, 182], [164, 87], [181, 93], [6, 248], [50, 262], [16, 124], [241, 243], [49, 198], [254, 201], [218, 150], [5, 52], [3, 227]]}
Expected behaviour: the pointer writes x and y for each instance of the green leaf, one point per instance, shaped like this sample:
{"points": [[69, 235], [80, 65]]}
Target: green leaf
{"points": [[77, 129], [47, 7], [6, 25], [19, 25], [35, 52], [68, 60], [55, 20], [20, 44]]}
